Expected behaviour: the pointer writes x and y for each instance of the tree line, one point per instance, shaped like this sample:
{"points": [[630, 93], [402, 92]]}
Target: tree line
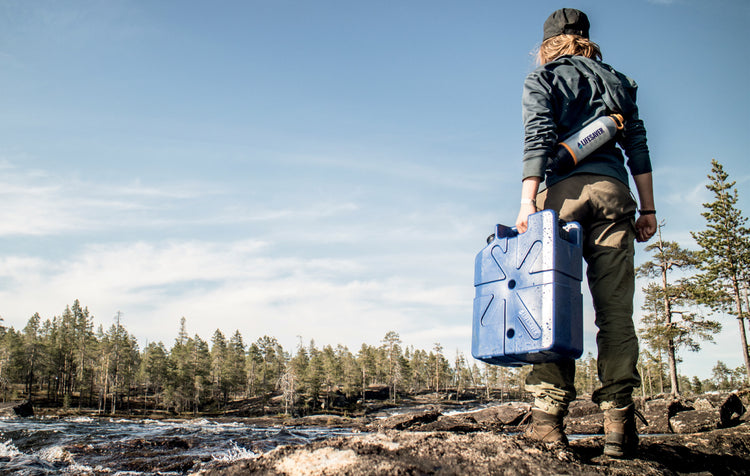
{"points": [[65, 361]]}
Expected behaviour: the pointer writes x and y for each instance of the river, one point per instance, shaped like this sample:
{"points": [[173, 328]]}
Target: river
{"points": [[43, 446]]}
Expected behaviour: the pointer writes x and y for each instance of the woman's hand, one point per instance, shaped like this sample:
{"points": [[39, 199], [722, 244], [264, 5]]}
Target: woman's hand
{"points": [[522, 222], [645, 227], [529, 189]]}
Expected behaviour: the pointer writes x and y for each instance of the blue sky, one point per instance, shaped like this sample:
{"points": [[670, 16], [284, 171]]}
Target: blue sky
{"points": [[323, 169]]}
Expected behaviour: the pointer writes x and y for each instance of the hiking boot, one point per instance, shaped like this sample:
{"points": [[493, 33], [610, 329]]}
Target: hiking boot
{"points": [[546, 427], [621, 436]]}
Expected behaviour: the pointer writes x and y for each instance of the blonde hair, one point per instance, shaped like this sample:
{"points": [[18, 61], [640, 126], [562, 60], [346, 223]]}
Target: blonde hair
{"points": [[561, 45]]}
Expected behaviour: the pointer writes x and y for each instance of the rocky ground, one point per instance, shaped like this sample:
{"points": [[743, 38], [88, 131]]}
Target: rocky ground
{"points": [[703, 436], [718, 452], [706, 435]]}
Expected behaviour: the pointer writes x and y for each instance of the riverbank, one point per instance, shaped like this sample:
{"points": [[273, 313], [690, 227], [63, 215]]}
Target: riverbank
{"points": [[271, 409], [708, 435]]}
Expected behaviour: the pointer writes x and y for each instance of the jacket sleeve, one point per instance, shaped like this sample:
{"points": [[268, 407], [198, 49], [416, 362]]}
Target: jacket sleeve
{"points": [[540, 135], [633, 137], [633, 142]]}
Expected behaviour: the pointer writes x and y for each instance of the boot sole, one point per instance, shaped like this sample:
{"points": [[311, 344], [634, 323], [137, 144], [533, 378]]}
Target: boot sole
{"points": [[618, 452]]}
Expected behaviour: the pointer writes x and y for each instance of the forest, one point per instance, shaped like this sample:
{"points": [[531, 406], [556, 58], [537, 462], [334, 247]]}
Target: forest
{"points": [[66, 361]]}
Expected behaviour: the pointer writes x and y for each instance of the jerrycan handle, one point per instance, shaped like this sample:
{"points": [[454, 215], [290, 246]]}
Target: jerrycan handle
{"points": [[567, 231], [502, 231], [571, 232]]}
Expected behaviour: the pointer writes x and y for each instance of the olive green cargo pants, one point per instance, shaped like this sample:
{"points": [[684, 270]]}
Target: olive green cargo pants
{"points": [[605, 209]]}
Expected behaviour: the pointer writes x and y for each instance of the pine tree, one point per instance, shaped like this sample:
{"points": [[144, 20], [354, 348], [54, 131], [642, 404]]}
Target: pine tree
{"points": [[667, 324], [461, 373], [331, 372], [273, 361], [367, 361], [33, 352], [200, 357], [439, 366], [392, 349], [404, 369], [725, 253], [491, 380], [155, 368], [85, 349], [219, 365], [254, 363], [11, 360], [420, 370], [299, 364], [131, 364], [350, 371], [586, 374], [120, 363], [237, 374], [313, 377], [63, 355], [181, 387], [696, 385], [722, 375], [182, 335], [651, 333]]}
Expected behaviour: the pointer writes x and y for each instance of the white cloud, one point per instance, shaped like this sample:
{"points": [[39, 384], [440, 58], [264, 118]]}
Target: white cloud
{"points": [[235, 285], [323, 269], [36, 203]]}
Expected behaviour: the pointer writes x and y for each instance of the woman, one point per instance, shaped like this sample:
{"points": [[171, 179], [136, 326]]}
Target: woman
{"points": [[569, 89]]}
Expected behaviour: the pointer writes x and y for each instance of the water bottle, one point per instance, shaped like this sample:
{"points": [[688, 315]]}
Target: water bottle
{"points": [[582, 143]]}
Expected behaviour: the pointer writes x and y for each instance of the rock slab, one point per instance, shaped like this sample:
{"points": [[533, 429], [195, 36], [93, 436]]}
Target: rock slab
{"points": [[721, 451], [24, 410]]}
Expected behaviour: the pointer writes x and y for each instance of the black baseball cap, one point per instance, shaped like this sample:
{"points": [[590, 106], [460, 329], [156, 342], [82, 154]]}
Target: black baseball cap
{"points": [[566, 21]]}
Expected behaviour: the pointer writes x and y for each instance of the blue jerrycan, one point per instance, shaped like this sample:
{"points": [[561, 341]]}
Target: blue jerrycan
{"points": [[528, 306]]}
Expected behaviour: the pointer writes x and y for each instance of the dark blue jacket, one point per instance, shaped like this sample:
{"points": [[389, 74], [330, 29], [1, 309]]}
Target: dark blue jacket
{"points": [[566, 94]]}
